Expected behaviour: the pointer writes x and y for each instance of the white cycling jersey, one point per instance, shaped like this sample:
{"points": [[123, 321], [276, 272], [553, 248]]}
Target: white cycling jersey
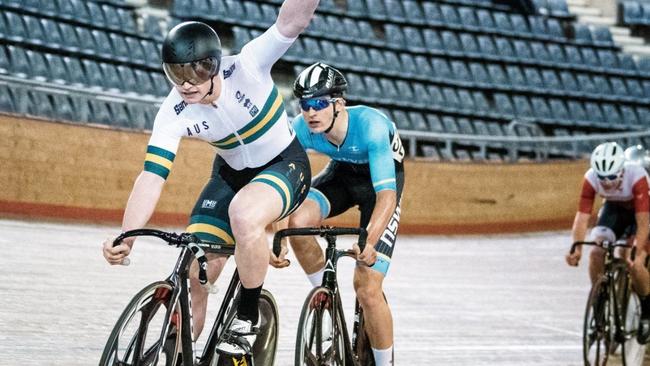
{"points": [[247, 124]]}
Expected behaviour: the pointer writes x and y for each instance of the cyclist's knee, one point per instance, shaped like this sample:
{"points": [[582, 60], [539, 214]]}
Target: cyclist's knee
{"points": [[370, 296], [305, 216], [597, 255]]}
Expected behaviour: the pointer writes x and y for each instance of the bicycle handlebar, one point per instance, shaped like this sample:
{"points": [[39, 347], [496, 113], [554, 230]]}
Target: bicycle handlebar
{"points": [[189, 240], [323, 231], [606, 244]]}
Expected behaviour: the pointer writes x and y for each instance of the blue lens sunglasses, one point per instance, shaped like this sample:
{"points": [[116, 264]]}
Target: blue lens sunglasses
{"points": [[608, 177], [315, 104]]}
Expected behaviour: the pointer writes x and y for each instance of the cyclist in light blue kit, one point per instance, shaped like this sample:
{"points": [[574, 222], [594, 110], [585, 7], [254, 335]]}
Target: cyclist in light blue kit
{"points": [[366, 170]]}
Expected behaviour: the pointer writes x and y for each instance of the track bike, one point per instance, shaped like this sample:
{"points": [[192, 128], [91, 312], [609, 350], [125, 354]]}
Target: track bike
{"points": [[613, 311], [322, 337], [155, 328]]}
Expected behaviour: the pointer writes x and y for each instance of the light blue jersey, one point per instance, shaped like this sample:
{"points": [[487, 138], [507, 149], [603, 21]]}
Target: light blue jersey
{"points": [[371, 139]]}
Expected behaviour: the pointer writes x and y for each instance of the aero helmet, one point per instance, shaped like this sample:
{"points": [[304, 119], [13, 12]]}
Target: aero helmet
{"points": [[191, 52], [319, 79], [607, 159], [638, 155]]}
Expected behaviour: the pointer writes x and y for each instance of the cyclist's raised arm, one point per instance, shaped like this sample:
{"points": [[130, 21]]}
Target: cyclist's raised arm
{"points": [[142, 201], [262, 52]]}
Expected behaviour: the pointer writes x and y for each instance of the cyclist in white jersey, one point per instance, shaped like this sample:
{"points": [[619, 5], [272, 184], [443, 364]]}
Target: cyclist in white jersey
{"points": [[625, 212], [260, 173]]}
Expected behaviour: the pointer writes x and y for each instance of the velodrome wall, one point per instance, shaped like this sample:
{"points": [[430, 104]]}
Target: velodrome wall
{"points": [[62, 171]]}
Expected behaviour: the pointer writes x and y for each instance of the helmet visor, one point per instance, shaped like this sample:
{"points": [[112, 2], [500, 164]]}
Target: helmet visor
{"points": [[195, 73]]}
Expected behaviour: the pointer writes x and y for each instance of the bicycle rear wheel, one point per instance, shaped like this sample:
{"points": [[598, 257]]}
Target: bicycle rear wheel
{"points": [[265, 346], [143, 334], [597, 326], [320, 339]]}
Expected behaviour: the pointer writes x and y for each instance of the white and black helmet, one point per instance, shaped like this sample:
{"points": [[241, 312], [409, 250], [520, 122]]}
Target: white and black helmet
{"points": [[607, 159], [319, 79], [637, 154]]}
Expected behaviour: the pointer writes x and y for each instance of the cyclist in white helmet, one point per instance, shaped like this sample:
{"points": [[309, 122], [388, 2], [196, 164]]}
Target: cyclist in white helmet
{"points": [[625, 212], [637, 154]]}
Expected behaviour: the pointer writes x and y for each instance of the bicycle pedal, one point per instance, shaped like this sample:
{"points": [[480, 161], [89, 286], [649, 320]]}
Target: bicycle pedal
{"points": [[230, 360]]}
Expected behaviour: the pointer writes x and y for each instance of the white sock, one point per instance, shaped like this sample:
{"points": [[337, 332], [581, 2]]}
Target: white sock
{"points": [[383, 357], [316, 278]]}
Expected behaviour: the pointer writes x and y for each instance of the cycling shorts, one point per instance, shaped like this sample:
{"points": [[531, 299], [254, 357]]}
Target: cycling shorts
{"points": [[619, 218]]}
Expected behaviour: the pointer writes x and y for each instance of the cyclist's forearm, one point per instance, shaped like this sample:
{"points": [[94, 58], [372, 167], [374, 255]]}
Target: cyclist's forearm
{"points": [[142, 201], [295, 16], [580, 224], [384, 209], [642, 231]]}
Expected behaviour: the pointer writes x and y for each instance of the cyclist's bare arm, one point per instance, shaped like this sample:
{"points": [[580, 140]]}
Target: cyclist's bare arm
{"points": [[578, 233], [381, 214], [642, 231], [295, 16], [139, 208]]}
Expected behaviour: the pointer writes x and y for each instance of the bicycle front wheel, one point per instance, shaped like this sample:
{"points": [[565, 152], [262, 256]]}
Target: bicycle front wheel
{"points": [[320, 339], [143, 335], [597, 326], [633, 352]]}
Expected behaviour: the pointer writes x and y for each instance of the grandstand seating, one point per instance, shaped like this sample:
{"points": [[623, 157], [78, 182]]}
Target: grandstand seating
{"points": [[451, 66]]}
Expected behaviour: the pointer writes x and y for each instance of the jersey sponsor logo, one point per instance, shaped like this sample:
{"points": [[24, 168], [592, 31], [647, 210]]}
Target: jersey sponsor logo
{"points": [[390, 233], [228, 72], [397, 147], [247, 103], [197, 128], [210, 204], [353, 148], [178, 108]]}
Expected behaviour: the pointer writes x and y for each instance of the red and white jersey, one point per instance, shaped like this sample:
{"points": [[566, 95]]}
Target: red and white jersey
{"points": [[631, 189]]}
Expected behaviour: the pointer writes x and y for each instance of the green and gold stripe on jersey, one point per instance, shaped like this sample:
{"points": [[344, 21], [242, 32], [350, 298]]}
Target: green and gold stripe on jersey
{"points": [[211, 229], [280, 183], [158, 161], [265, 119]]}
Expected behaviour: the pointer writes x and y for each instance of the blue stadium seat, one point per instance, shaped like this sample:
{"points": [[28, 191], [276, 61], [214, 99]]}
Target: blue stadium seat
{"points": [[423, 66], [390, 93], [241, 37], [551, 80], [577, 112], [394, 35], [450, 125], [76, 74], [112, 17], [594, 112], [432, 41], [559, 110], [434, 123], [136, 53], [396, 13], [421, 95], [414, 41], [480, 101], [236, 11], [644, 115], [503, 105], [432, 13], [465, 126], [451, 43], [534, 79], [505, 49], [127, 20], [253, 13], [522, 50], [81, 12], [558, 8], [461, 73], [540, 54], [162, 84], [626, 64], [313, 48], [63, 107], [85, 41], [120, 49], [502, 22], [611, 114], [102, 44], [628, 115], [469, 45], [630, 12], [376, 9], [112, 81], [365, 29], [582, 34], [373, 89], [15, 27], [585, 83], [516, 77], [93, 73], [556, 53], [487, 47], [608, 59], [479, 74], [485, 20], [143, 82], [634, 88], [452, 101], [392, 61], [408, 65], [522, 106], [34, 30], [357, 8], [538, 27], [449, 15], [5, 63], [466, 101], [374, 54], [401, 120], [18, 61], [6, 101], [468, 18], [119, 115], [37, 67], [554, 29], [137, 115], [42, 104], [590, 58], [414, 12], [573, 55], [356, 86], [99, 112], [569, 82], [441, 70], [96, 13], [346, 55], [418, 122], [519, 24], [601, 84], [437, 99], [540, 108], [497, 75], [646, 87], [601, 36]]}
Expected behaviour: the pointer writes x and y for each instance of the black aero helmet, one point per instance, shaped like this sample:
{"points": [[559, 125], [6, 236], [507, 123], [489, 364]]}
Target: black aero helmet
{"points": [[319, 79], [191, 52]]}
